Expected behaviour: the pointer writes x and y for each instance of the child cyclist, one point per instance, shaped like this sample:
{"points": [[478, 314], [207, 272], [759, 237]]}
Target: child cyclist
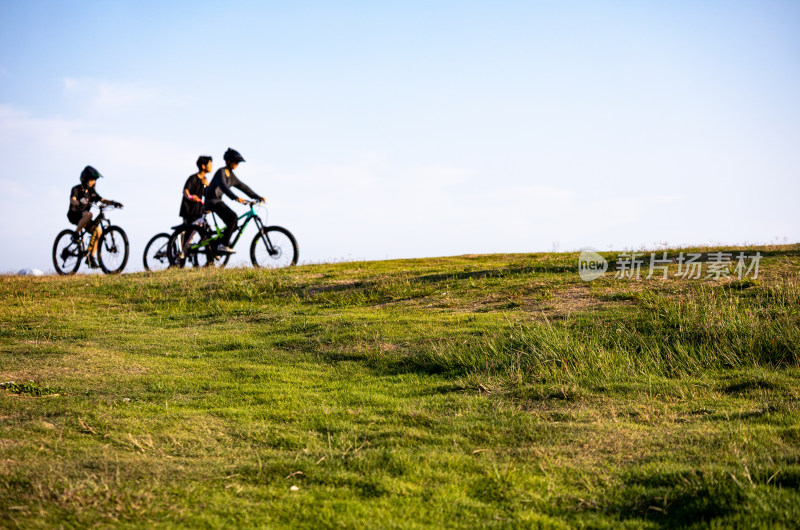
{"points": [[193, 190], [80, 201], [222, 182]]}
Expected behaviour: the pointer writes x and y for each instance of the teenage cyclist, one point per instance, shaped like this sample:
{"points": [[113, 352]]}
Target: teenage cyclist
{"points": [[193, 190], [80, 201], [222, 182]]}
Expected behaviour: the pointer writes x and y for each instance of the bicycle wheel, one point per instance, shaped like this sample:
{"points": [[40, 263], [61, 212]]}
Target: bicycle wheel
{"points": [[156, 255], [66, 253], [274, 247], [180, 245], [112, 251]]}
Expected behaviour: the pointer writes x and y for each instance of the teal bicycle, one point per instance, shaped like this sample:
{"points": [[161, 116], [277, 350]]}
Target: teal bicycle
{"points": [[195, 245]]}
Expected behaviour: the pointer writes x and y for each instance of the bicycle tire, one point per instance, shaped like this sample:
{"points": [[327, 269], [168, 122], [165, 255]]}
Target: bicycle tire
{"points": [[156, 253], [180, 255], [112, 250], [274, 247], [68, 251]]}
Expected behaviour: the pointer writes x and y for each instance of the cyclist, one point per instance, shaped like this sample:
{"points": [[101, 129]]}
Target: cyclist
{"points": [[81, 198], [222, 182], [192, 203]]}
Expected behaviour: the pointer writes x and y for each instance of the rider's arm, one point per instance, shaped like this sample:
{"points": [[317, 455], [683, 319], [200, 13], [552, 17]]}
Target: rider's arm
{"points": [[95, 197], [193, 184], [245, 188], [74, 200], [191, 197]]}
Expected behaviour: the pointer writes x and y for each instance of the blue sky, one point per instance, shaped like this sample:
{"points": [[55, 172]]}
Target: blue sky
{"points": [[406, 129]]}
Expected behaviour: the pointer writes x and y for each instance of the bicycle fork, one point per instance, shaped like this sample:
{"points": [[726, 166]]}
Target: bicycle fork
{"points": [[263, 235]]}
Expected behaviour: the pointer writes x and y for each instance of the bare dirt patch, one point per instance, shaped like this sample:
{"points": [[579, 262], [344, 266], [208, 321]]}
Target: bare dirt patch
{"points": [[563, 302]]}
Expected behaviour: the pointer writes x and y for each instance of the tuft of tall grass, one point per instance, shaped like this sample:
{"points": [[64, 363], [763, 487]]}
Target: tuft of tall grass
{"points": [[710, 328]]}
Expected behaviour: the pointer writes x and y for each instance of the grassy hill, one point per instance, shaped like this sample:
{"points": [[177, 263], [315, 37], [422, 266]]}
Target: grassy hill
{"points": [[491, 391]]}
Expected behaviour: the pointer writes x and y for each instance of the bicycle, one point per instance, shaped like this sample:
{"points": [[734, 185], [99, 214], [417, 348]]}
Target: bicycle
{"points": [[156, 254], [112, 248], [195, 245]]}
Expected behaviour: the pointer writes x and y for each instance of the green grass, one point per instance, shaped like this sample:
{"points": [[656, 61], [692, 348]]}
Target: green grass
{"points": [[472, 391]]}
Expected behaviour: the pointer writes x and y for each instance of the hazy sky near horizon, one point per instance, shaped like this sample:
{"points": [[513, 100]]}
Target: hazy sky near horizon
{"points": [[408, 129]]}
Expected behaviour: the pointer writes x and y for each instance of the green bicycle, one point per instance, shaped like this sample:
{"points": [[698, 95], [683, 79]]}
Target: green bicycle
{"points": [[195, 245]]}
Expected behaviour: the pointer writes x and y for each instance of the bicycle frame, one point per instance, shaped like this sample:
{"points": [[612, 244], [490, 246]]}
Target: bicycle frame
{"points": [[240, 227], [102, 221]]}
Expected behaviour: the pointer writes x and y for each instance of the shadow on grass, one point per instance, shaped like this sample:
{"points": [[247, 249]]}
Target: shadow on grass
{"points": [[497, 273], [680, 499], [503, 272], [744, 387]]}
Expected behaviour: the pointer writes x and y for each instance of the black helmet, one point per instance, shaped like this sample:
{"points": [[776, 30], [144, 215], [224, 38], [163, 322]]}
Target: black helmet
{"points": [[89, 173], [232, 155]]}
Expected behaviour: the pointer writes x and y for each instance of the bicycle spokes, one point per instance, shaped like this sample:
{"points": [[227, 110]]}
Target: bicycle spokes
{"points": [[273, 247]]}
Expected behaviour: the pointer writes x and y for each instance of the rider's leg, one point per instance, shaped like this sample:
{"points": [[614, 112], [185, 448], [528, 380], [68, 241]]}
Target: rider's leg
{"points": [[186, 237], [85, 219], [181, 237], [228, 217], [96, 233]]}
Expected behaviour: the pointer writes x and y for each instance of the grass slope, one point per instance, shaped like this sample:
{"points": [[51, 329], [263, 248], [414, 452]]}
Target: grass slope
{"points": [[473, 391]]}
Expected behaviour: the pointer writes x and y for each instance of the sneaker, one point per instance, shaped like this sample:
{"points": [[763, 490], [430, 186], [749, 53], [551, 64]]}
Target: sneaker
{"points": [[224, 249], [93, 263]]}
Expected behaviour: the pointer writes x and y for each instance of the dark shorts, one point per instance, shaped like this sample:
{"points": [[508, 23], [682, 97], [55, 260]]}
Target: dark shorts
{"points": [[74, 216]]}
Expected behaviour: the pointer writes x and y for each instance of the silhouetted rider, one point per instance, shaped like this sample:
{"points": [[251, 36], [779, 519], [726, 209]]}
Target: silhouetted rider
{"points": [[223, 181], [193, 191], [81, 198]]}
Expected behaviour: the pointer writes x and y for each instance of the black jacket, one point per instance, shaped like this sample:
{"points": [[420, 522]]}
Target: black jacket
{"points": [[221, 184]]}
